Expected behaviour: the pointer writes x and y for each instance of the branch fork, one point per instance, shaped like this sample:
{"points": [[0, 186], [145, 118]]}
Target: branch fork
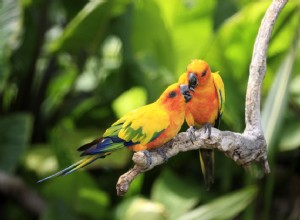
{"points": [[244, 148]]}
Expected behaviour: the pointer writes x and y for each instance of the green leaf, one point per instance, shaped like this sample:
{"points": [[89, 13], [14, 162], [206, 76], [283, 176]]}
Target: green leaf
{"points": [[276, 102], [273, 114], [15, 133], [155, 44], [225, 207], [223, 10], [190, 29], [224, 55], [285, 28], [10, 29], [91, 199], [150, 58], [140, 208], [10, 23], [79, 192], [58, 210], [87, 29], [176, 194], [290, 137], [294, 86], [40, 159], [230, 41], [64, 142], [59, 86], [295, 89]]}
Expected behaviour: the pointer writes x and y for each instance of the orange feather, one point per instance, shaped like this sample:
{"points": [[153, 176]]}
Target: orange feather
{"points": [[205, 107]]}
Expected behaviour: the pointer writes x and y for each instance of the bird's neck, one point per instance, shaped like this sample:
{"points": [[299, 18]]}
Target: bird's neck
{"points": [[172, 107]]}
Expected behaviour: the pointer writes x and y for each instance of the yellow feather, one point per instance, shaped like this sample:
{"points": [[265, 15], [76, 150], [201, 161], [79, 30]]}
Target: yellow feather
{"points": [[220, 87]]}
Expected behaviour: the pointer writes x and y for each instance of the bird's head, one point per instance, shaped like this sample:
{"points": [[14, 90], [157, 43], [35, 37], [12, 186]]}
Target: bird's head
{"points": [[176, 95], [198, 73]]}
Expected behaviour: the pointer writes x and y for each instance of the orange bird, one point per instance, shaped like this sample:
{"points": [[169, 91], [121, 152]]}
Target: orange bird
{"points": [[145, 128], [205, 108]]}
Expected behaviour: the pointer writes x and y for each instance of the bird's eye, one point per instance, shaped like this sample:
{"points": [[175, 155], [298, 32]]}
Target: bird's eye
{"points": [[172, 94], [203, 73]]}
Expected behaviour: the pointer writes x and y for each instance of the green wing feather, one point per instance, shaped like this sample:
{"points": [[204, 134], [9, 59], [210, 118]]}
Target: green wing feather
{"points": [[140, 126]]}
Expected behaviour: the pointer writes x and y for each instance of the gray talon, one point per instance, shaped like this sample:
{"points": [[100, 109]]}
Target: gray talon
{"points": [[207, 128], [191, 133], [148, 156], [162, 152]]}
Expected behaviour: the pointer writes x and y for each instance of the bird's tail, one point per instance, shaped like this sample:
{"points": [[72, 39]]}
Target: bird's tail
{"points": [[207, 166], [70, 169]]}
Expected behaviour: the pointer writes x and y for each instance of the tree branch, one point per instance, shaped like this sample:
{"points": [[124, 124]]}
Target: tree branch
{"points": [[258, 67], [243, 148]]}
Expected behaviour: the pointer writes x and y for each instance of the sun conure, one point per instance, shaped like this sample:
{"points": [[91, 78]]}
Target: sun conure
{"points": [[145, 128], [205, 108]]}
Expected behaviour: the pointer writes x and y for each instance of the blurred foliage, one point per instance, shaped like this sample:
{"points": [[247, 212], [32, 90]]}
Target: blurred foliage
{"points": [[68, 69]]}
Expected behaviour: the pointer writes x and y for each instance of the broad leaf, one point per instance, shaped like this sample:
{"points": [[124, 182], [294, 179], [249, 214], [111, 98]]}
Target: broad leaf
{"points": [[79, 192], [87, 29], [10, 29], [140, 208], [276, 102], [15, 133], [226, 207], [273, 114], [177, 195], [290, 137]]}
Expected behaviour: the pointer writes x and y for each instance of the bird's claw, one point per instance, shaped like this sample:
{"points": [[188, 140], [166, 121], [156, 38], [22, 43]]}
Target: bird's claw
{"points": [[207, 128], [162, 152], [148, 156], [191, 132]]}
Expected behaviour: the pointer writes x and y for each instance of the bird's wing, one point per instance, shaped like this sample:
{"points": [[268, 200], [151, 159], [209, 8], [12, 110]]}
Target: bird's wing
{"points": [[140, 126], [221, 95]]}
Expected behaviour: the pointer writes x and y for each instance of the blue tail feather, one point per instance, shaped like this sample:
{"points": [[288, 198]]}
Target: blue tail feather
{"points": [[107, 144]]}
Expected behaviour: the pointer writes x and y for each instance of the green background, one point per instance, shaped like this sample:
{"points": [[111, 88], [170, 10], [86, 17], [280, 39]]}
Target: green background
{"points": [[70, 68]]}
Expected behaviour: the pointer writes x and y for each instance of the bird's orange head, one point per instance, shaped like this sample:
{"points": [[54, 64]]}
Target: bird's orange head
{"points": [[198, 73], [175, 95]]}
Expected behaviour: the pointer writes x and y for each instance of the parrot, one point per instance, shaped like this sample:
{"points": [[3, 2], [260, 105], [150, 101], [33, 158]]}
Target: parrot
{"points": [[143, 129], [205, 109]]}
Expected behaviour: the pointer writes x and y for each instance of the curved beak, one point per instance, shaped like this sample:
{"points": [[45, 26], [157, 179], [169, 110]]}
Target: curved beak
{"points": [[185, 91], [193, 81]]}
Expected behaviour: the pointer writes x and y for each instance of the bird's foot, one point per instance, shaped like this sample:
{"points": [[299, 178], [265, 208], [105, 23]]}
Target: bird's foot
{"points": [[191, 132], [207, 128], [148, 156], [162, 151]]}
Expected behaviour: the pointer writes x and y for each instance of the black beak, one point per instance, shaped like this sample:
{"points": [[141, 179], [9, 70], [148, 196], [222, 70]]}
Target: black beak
{"points": [[185, 91], [193, 81]]}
